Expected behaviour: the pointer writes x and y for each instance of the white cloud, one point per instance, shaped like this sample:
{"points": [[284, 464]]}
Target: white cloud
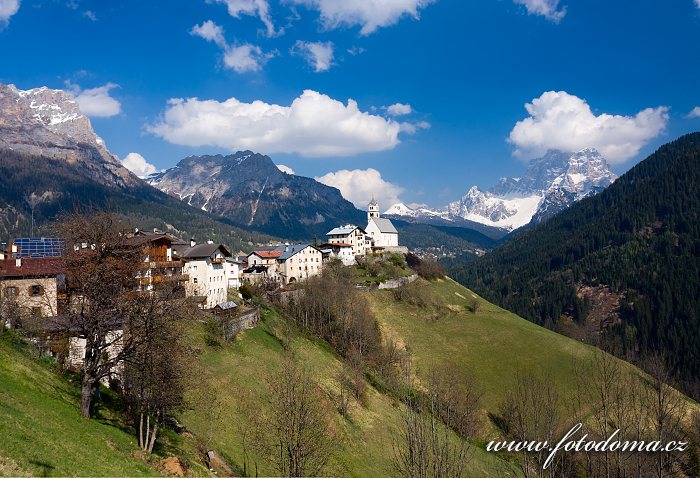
{"points": [[314, 125], [90, 15], [697, 3], [359, 186], [7, 9], [285, 169], [546, 8], [412, 128], [96, 102], [319, 55], [138, 165], [695, 112], [369, 14], [210, 31], [245, 58], [562, 121], [242, 58], [256, 8], [399, 109]]}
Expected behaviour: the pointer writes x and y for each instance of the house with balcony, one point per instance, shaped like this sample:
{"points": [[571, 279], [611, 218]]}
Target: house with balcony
{"points": [[206, 268], [160, 267], [351, 234]]}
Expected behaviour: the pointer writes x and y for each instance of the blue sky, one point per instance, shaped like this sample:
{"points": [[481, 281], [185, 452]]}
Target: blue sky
{"points": [[621, 76]]}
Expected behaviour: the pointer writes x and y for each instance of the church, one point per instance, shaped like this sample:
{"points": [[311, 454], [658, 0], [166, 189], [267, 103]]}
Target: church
{"points": [[381, 230]]}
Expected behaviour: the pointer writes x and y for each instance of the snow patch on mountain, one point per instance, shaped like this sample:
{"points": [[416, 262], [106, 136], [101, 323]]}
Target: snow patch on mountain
{"points": [[550, 184]]}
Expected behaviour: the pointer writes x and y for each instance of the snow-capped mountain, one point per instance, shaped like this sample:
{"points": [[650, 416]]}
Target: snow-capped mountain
{"points": [[550, 184], [49, 123]]}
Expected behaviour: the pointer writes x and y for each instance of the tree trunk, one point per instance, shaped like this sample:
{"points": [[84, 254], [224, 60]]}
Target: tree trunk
{"points": [[141, 429], [154, 432], [87, 388]]}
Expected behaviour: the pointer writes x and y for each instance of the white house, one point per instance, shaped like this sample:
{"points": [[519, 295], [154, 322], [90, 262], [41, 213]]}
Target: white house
{"points": [[341, 251], [381, 230], [298, 262], [353, 235], [234, 271], [206, 266]]}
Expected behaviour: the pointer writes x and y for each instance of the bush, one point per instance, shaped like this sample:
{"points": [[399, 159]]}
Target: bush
{"points": [[428, 269]]}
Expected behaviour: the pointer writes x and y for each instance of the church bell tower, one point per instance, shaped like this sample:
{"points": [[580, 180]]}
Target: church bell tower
{"points": [[372, 209]]}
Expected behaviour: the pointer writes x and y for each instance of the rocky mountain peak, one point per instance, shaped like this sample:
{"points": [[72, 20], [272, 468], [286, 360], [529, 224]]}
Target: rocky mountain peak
{"points": [[48, 123], [550, 184]]}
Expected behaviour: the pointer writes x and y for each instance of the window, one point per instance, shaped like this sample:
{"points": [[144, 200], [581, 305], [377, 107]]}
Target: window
{"points": [[36, 290], [11, 292], [194, 280]]}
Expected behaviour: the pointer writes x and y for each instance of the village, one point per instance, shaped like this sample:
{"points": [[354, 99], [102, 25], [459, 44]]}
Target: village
{"points": [[32, 275]]}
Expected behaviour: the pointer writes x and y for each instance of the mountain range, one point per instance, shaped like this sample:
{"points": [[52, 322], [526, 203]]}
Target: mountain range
{"points": [[51, 161], [550, 184]]}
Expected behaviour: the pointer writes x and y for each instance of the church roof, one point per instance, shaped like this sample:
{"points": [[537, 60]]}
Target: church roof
{"points": [[373, 202], [384, 225]]}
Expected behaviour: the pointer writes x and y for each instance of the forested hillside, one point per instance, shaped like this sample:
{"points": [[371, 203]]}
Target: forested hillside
{"points": [[639, 240], [61, 186]]}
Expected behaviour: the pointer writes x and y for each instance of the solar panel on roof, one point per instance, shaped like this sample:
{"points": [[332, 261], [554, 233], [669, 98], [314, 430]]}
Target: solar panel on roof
{"points": [[39, 247]]}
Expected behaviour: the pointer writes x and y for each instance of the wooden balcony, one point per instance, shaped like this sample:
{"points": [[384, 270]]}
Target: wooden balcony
{"points": [[218, 261]]}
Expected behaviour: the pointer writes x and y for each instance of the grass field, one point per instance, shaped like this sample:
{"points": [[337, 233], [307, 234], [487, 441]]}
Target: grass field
{"points": [[237, 373], [42, 432]]}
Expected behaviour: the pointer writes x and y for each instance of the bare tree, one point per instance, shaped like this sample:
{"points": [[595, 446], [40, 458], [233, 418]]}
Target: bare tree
{"points": [[425, 447], [298, 433], [158, 371], [100, 268], [668, 409]]}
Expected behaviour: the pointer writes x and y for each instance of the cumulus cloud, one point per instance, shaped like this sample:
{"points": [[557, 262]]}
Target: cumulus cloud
{"points": [[399, 109], [695, 112], [245, 58], [255, 8], [319, 55], [138, 165], [285, 169], [210, 31], [370, 15], [359, 186], [314, 125], [562, 121], [697, 3], [96, 102], [546, 8], [242, 58], [7, 9]]}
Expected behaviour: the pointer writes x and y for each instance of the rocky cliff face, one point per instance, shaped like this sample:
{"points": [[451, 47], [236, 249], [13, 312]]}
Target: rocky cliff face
{"points": [[550, 184], [48, 123], [250, 190]]}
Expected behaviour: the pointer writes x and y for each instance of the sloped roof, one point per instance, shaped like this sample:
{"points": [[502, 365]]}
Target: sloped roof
{"points": [[293, 249], [204, 250], [344, 230], [384, 225], [49, 266], [227, 305], [267, 254]]}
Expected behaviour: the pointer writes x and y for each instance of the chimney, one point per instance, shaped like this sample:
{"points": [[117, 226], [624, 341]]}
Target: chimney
{"points": [[18, 262], [193, 242], [136, 231], [210, 241]]}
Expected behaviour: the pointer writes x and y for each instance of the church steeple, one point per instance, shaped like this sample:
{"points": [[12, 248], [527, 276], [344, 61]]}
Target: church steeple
{"points": [[372, 209]]}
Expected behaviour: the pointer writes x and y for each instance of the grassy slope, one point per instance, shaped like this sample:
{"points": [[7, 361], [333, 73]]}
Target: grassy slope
{"points": [[42, 431], [240, 369], [493, 345]]}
